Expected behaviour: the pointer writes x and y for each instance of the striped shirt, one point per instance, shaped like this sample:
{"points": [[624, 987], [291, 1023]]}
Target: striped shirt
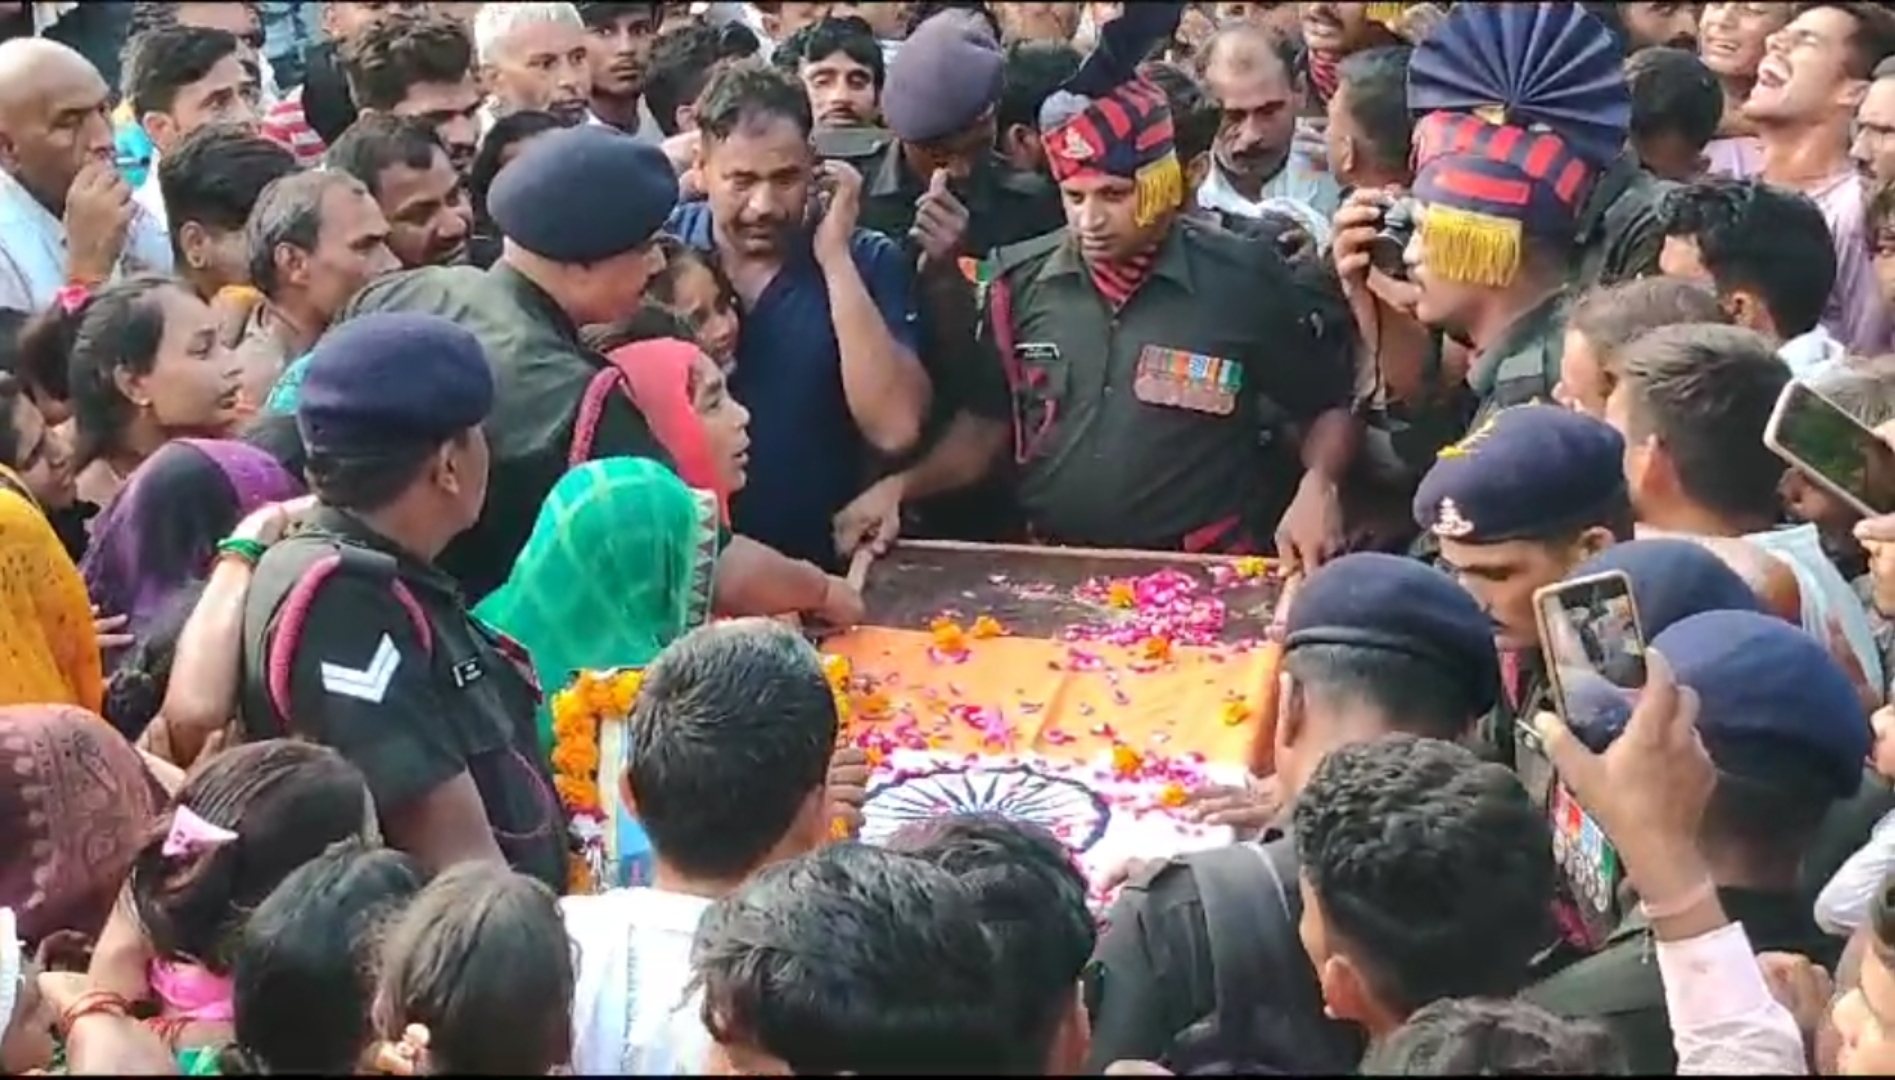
{"points": [[285, 123]]}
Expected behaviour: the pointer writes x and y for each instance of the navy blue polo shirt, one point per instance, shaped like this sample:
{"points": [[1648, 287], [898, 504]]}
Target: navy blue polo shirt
{"points": [[807, 457]]}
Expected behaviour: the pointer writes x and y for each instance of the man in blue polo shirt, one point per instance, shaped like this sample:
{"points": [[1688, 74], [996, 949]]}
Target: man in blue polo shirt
{"points": [[826, 359]]}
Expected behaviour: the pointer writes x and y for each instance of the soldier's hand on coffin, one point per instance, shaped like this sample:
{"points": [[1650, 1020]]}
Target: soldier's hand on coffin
{"points": [[1248, 809], [872, 519], [1127, 870], [940, 227], [841, 605]]}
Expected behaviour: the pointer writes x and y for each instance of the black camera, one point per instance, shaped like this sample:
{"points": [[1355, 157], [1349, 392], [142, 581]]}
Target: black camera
{"points": [[1391, 240]]}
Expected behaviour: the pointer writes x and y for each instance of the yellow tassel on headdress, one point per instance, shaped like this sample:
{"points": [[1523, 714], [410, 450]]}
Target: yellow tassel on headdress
{"points": [[1471, 248], [1160, 189], [1388, 15]]}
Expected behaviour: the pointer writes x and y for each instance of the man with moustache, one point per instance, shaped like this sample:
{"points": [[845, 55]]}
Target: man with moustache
{"points": [[1134, 327], [404, 165], [1256, 157], [1333, 31], [1813, 75], [620, 52], [1649, 25], [1873, 150], [842, 66], [534, 56]]}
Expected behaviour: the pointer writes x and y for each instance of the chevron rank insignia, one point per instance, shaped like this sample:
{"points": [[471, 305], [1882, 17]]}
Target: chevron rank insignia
{"points": [[368, 683]]}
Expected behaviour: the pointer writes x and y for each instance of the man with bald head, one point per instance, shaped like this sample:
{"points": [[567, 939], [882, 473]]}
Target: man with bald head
{"points": [[1256, 159], [66, 216]]}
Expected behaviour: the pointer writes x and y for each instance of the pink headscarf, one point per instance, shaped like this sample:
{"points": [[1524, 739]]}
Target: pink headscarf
{"points": [[658, 375]]}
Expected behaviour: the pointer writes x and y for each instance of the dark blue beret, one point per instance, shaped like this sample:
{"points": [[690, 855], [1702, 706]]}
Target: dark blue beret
{"points": [[1776, 706], [1377, 601], [1672, 580], [391, 381], [584, 194], [1525, 473], [946, 76]]}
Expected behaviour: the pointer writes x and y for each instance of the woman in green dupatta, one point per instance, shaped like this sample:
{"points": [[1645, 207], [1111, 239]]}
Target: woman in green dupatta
{"points": [[619, 565]]}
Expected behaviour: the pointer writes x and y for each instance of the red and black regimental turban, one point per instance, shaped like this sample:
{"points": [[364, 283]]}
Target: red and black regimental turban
{"points": [[1107, 120], [1519, 107]]}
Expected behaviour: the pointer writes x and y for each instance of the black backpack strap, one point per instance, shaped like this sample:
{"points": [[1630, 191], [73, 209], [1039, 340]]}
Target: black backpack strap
{"points": [[1243, 925]]}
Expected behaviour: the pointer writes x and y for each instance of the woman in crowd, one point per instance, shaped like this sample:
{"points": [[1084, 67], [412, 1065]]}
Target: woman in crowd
{"points": [[49, 645], [76, 805], [163, 531], [681, 390], [137, 363], [629, 521], [237, 829], [303, 973]]}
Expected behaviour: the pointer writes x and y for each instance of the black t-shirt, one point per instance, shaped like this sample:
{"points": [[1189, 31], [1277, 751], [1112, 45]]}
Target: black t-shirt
{"points": [[411, 705]]}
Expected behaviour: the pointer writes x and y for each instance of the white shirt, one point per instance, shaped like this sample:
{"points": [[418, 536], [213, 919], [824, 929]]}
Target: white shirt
{"points": [[1827, 597], [630, 1016], [33, 258], [1311, 189], [1724, 1020], [1843, 905], [1812, 353]]}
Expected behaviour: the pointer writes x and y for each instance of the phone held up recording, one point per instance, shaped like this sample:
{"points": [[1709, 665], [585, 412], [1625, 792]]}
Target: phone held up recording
{"points": [[1833, 449], [1593, 646]]}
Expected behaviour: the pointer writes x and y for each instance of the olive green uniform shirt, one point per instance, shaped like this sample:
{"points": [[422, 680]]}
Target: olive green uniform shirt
{"points": [[1620, 985], [1004, 205], [1140, 426]]}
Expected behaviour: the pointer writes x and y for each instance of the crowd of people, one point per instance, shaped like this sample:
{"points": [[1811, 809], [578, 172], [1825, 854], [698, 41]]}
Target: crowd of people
{"points": [[368, 369]]}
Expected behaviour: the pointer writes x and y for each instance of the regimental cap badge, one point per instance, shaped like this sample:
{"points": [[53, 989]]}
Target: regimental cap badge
{"points": [[1073, 145], [1449, 523]]}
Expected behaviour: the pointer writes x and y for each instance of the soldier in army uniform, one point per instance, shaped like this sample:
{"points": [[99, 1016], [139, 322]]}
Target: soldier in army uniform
{"points": [[1532, 492], [933, 180], [1506, 155], [1133, 329]]}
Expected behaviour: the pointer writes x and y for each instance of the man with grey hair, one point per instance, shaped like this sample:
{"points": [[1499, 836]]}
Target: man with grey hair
{"points": [[1873, 148], [533, 56], [315, 238]]}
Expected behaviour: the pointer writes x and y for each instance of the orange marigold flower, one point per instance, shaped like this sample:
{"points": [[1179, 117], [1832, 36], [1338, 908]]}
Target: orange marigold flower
{"points": [[574, 758], [1126, 761], [987, 626], [1173, 795], [624, 691], [1155, 648], [577, 795], [873, 705], [948, 636], [839, 829], [1235, 712], [1120, 594], [837, 669], [1252, 566]]}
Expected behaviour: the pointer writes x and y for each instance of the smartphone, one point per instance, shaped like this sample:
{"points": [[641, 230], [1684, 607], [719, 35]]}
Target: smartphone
{"points": [[1833, 449], [1594, 650]]}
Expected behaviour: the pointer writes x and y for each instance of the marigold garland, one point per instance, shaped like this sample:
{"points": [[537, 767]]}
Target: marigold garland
{"points": [[596, 698]]}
